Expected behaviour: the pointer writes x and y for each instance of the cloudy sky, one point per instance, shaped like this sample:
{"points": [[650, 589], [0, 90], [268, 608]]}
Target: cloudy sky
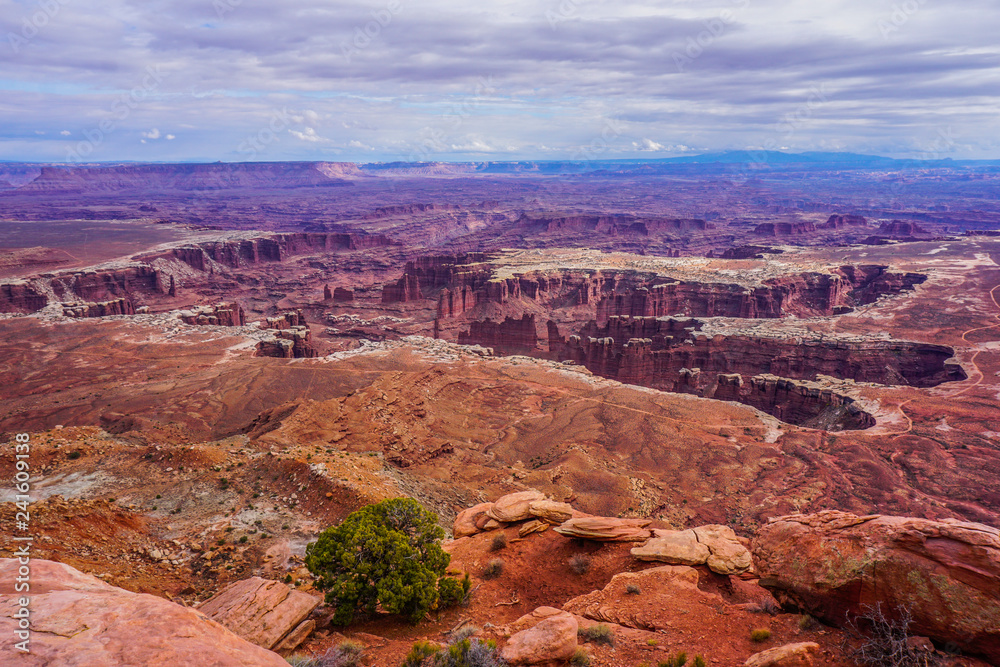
{"points": [[165, 80]]}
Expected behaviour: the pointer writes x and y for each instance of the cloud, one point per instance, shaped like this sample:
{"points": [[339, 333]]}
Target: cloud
{"points": [[710, 75]]}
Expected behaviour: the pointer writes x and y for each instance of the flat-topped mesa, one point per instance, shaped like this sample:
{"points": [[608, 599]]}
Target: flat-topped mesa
{"points": [[611, 225], [220, 315], [291, 337], [901, 229], [235, 254], [785, 228], [106, 284], [670, 344], [843, 221], [461, 283], [100, 309]]}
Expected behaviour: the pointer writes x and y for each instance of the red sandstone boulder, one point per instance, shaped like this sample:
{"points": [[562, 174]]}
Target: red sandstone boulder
{"points": [[552, 638], [606, 529], [833, 564], [789, 655], [514, 506], [468, 520], [78, 620]]}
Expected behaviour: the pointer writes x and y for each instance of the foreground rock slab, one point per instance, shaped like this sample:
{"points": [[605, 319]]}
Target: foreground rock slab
{"points": [[551, 639], [834, 564], [789, 655], [514, 506], [606, 529], [261, 611], [80, 621]]}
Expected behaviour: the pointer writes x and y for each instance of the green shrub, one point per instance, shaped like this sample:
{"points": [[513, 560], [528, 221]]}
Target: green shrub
{"points": [[700, 661], [632, 589], [678, 660], [385, 555], [760, 635], [493, 569], [580, 658], [599, 634], [463, 652]]}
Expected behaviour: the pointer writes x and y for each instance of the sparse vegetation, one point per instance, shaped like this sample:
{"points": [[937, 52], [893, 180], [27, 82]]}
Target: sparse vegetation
{"points": [[883, 639], [463, 652], [633, 589], [699, 661], [345, 654], [385, 555], [652, 642], [581, 658], [598, 634], [760, 635], [74, 455], [580, 563], [678, 660], [493, 569], [499, 542], [807, 622]]}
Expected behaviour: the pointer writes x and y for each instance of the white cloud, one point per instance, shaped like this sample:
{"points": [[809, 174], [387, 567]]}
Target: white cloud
{"points": [[152, 134], [65, 133], [170, 137]]}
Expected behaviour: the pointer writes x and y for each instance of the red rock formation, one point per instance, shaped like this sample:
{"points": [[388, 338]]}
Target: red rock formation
{"points": [[612, 225], [342, 295], [21, 297], [102, 309], [221, 315], [102, 285], [843, 221], [275, 248], [784, 228], [327, 294], [899, 228], [747, 252], [512, 336], [832, 564]]}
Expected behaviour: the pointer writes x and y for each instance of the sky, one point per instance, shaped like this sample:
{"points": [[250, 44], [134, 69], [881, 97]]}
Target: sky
{"points": [[436, 80]]}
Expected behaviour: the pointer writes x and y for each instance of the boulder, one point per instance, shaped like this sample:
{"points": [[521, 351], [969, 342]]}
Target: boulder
{"points": [[834, 564], [78, 620], [789, 655], [729, 556], [551, 639], [260, 610], [676, 547], [533, 526], [606, 529], [551, 511], [514, 506], [466, 521]]}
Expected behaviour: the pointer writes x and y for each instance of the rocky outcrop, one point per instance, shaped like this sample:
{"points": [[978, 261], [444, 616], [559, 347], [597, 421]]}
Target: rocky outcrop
{"points": [[21, 297], [899, 228], [712, 545], [844, 221], [291, 343], [789, 655], [785, 228], [468, 520], [78, 620], [342, 295], [512, 336], [109, 284], [605, 529], [610, 225], [101, 309], [834, 565], [553, 638], [261, 611], [237, 254], [219, 315], [747, 252], [514, 506]]}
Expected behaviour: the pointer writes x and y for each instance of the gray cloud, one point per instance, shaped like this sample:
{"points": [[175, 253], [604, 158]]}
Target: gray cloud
{"points": [[388, 79]]}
